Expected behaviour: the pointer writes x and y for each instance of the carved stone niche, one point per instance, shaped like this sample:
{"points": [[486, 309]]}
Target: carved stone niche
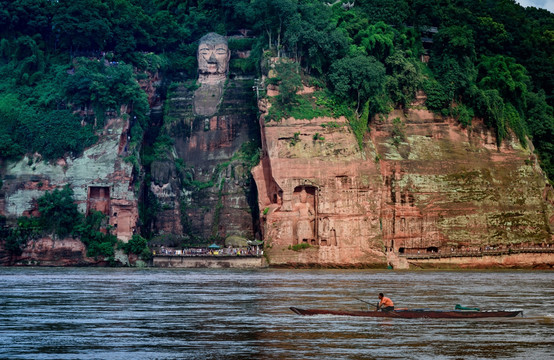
{"points": [[98, 199], [305, 221]]}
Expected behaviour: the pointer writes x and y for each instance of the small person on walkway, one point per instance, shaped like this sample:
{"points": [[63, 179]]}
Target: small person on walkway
{"points": [[385, 304]]}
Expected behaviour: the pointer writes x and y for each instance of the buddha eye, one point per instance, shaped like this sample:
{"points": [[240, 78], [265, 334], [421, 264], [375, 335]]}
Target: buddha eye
{"points": [[221, 51]]}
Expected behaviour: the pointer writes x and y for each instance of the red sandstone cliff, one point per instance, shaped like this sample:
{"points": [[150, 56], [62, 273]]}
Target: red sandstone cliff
{"points": [[433, 186], [202, 186], [49, 252]]}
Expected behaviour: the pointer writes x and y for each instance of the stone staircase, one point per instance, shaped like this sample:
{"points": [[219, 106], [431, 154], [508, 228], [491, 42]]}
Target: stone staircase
{"points": [[239, 97], [180, 104]]}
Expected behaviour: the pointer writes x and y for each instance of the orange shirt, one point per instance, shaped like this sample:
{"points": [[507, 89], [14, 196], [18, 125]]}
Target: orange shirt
{"points": [[385, 301]]}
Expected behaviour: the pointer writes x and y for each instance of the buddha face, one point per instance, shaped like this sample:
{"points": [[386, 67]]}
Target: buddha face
{"points": [[213, 55]]}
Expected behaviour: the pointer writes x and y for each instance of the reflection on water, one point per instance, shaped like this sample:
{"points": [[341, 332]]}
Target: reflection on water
{"points": [[59, 313]]}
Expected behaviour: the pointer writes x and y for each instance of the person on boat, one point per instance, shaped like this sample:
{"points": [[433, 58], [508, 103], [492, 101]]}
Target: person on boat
{"points": [[385, 304]]}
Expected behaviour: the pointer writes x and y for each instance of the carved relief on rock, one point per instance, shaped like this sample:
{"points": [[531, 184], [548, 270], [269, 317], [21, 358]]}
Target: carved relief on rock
{"points": [[445, 189], [305, 209], [208, 194], [213, 64], [213, 58]]}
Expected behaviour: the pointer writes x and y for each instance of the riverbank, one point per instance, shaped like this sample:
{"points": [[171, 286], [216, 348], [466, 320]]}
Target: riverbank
{"points": [[538, 261], [71, 252]]}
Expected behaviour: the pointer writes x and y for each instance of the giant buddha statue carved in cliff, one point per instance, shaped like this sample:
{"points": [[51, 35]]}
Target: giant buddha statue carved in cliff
{"points": [[213, 64]]}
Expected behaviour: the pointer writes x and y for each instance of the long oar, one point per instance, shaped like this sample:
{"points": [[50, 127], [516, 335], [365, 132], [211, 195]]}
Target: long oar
{"points": [[367, 302]]}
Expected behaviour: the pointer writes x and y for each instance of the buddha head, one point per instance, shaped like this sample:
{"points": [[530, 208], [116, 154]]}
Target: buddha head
{"points": [[213, 58]]}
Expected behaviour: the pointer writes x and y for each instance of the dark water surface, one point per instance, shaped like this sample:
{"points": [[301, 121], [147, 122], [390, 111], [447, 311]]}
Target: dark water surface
{"points": [[89, 313]]}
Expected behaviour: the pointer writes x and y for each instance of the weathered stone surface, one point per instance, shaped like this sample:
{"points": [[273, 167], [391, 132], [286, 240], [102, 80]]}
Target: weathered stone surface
{"points": [[100, 171], [49, 252], [341, 218], [421, 183], [449, 186], [206, 195], [213, 59], [515, 261]]}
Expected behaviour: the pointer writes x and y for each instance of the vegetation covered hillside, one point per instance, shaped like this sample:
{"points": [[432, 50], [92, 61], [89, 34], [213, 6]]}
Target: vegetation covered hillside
{"points": [[487, 58]]}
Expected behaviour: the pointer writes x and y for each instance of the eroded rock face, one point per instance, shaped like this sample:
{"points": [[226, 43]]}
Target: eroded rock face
{"points": [[421, 184], [100, 178], [203, 187], [447, 186], [205, 190], [213, 59], [322, 191], [49, 252]]}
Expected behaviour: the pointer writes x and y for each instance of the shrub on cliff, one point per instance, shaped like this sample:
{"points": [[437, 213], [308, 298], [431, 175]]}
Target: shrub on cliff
{"points": [[299, 247], [89, 230], [16, 238], [139, 246], [357, 79], [58, 211]]}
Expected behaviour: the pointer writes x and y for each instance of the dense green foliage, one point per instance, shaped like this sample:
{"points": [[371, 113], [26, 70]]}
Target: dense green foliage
{"points": [[16, 237], [138, 246], [58, 211], [89, 230], [491, 59], [59, 215]]}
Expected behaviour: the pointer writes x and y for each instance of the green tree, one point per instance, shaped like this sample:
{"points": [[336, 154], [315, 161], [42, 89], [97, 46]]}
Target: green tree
{"points": [[139, 246], [504, 74], [377, 40], [271, 16], [490, 36], [60, 133], [167, 33], [102, 87], [358, 78], [455, 76], [290, 81], [455, 41], [490, 106], [394, 12], [16, 238], [91, 232], [540, 123], [437, 97], [58, 211], [404, 77], [29, 17], [131, 29], [82, 24]]}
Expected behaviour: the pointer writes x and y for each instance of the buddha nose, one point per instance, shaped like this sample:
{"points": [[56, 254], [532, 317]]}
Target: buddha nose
{"points": [[212, 59]]}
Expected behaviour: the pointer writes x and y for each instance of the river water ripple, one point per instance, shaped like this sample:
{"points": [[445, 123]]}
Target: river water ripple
{"points": [[90, 313]]}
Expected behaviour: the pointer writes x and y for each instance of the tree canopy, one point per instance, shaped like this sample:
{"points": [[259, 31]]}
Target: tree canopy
{"points": [[493, 59]]}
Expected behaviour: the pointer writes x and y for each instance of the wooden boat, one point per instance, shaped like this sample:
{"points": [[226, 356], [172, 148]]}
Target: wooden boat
{"points": [[414, 313]]}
